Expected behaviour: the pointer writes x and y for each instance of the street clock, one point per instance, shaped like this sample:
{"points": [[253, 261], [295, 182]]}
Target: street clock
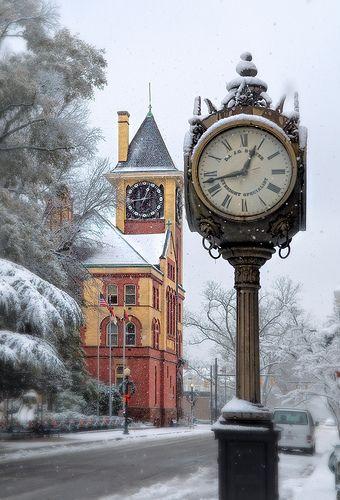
{"points": [[245, 168], [245, 181]]}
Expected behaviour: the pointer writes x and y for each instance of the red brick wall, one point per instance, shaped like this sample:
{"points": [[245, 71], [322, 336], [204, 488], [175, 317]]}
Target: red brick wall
{"points": [[142, 362], [149, 226]]}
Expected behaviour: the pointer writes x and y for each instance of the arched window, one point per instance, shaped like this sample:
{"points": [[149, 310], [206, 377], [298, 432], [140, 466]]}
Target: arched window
{"points": [[112, 295], [130, 334], [112, 331], [155, 333]]}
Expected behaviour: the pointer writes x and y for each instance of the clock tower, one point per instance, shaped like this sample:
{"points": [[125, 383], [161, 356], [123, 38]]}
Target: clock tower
{"points": [[139, 270]]}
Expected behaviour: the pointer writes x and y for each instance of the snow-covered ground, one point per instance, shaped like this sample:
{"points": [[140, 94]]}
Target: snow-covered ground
{"points": [[302, 477], [73, 442]]}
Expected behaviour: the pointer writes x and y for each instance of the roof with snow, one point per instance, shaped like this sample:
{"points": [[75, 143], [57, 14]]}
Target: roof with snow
{"points": [[129, 250], [147, 150]]}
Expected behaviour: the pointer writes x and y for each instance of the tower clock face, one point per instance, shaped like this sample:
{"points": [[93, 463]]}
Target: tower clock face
{"points": [[144, 200], [245, 172]]}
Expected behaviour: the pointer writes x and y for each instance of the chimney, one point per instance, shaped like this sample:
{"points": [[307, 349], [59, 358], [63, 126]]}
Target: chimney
{"points": [[123, 135]]}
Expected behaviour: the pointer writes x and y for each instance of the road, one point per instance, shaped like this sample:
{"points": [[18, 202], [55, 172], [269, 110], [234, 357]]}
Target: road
{"points": [[97, 472]]}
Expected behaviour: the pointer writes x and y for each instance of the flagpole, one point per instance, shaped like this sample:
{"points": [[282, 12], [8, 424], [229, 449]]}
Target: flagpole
{"points": [[110, 367], [124, 345], [98, 343]]}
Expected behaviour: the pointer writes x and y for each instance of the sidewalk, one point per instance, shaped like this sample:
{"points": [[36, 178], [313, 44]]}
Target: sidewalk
{"points": [[11, 450]]}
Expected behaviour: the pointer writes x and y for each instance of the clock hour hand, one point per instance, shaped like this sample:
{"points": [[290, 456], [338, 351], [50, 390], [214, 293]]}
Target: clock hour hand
{"points": [[236, 173]]}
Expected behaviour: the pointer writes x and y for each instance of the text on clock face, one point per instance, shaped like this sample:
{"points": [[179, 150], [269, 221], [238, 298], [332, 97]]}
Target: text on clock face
{"points": [[244, 171]]}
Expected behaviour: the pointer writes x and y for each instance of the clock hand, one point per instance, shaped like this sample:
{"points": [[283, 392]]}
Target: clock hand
{"points": [[236, 173], [248, 161]]}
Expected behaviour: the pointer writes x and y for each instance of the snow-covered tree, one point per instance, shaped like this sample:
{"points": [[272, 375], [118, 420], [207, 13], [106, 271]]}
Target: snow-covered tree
{"points": [[281, 320], [37, 329], [316, 367], [48, 76]]}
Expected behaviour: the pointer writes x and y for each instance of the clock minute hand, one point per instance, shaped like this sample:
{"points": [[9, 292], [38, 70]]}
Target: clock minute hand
{"points": [[248, 161], [236, 173]]}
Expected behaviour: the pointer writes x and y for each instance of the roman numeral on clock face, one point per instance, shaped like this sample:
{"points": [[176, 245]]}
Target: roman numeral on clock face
{"points": [[215, 157], [244, 205], [272, 187], [278, 171], [244, 140], [227, 200], [215, 189], [273, 155], [210, 174], [258, 147], [226, 144]]}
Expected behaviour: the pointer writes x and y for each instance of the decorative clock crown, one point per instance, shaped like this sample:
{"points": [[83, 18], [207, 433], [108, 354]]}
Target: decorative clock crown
{"points": [[247, 89]]}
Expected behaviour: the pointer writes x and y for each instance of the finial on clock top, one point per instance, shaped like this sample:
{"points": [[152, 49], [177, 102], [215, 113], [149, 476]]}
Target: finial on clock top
{"points": [[246, 67]]}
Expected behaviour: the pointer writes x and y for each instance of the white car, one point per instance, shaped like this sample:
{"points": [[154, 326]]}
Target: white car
{"points": [[297, 429]]}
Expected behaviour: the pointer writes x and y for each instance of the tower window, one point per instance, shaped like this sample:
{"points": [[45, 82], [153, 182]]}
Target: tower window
{"points": [[130, 294], [130, 334], [112, 295]]}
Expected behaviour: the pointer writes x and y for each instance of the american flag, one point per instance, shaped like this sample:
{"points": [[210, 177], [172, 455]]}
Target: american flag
{"points": [[102, 301]]}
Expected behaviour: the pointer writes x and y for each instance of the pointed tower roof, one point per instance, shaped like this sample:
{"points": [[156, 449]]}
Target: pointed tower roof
{"points": [[147, 150]]}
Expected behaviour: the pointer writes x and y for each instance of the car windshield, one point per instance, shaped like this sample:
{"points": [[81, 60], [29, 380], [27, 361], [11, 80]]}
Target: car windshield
{"points": [[290, 417]]}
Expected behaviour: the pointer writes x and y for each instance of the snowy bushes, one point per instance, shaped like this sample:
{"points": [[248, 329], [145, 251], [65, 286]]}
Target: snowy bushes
{"points": [[35, 318]]}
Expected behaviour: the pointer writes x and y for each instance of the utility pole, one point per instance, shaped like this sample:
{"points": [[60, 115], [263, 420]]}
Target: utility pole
{"points": [[216, 384], [211, 395]]}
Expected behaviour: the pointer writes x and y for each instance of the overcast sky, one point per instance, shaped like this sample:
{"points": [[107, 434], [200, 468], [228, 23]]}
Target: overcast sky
{"points": [[188, 48]]}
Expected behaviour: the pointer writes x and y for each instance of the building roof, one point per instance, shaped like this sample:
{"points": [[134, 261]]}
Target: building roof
{"points": [[128, 250], [147, 150]]}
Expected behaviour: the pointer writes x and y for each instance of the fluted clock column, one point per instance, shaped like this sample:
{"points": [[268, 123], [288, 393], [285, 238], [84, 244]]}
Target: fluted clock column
{"points": [[247, 262]]}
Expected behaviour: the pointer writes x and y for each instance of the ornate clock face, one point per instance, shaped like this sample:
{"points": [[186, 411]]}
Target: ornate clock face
{"points": [[144, 201], [179, 205], [245, 172]]}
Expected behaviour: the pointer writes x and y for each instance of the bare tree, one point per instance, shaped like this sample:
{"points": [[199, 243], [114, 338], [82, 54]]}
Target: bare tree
{"points": [[280, 321]]}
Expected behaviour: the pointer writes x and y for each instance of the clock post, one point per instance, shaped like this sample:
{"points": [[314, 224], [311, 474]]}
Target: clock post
{"points": [[245, 171]]}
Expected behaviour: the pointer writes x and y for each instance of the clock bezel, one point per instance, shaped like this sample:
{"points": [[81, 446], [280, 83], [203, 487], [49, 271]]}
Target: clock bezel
{"points": [[234, 125]]}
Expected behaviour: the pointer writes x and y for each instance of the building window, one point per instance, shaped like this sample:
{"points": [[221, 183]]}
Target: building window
{"points": [[119, 374], [171, 271], [130, 295], [179, 312], [155, 385], [155, 333], [112, 331], [112, 295], [155, 298], [130, 334]]}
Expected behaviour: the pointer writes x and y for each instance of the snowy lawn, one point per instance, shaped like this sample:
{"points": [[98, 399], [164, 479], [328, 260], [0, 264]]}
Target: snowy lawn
{"points": [[302, 477], [73, 442]]}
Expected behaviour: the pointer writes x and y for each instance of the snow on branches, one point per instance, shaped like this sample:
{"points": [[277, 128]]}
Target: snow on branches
{"points": [[35, 318], [32, 304]]}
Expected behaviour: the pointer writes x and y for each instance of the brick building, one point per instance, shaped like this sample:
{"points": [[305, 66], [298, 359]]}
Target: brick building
{"points": [[139, 269]]}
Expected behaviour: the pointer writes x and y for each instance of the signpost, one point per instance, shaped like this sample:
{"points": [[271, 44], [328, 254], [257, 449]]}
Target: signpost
{"points": [[245, 171]]}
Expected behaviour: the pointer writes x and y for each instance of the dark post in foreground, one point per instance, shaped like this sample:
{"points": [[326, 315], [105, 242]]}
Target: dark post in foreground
{"points": [[245, 170]]}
